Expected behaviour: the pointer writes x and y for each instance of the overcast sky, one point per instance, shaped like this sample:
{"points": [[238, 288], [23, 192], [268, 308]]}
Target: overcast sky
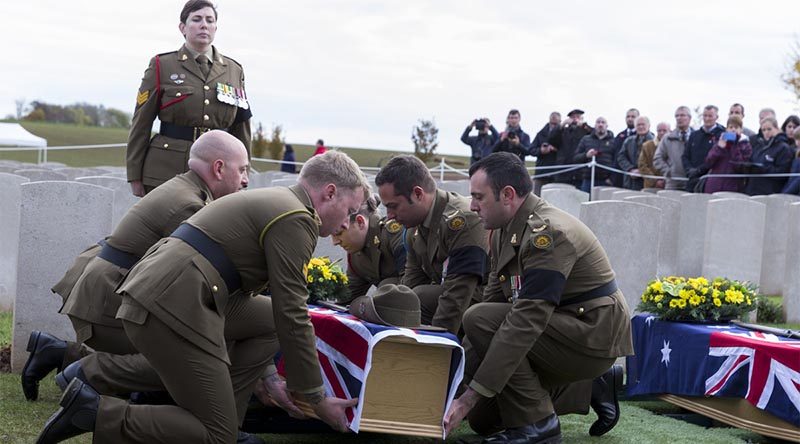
{"points": [[360, 73]]}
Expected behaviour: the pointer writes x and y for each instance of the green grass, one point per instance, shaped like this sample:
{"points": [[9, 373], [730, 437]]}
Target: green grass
{"points": [[6, 317]]}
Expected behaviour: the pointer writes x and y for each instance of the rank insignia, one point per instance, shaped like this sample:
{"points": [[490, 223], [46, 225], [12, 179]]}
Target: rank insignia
{"points": [[394, 227], [142, 97], [376, 241], [539, 229], [542, 241], [456, 223], [514, 238]]}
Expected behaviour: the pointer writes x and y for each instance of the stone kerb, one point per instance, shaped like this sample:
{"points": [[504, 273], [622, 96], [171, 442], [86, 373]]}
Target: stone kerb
{"points": [[776, 232], [627, 231], [123, 198], [734, 233], [692, 233], [58, 220], [567, 199], [668, 235], [456, 186], [791, 285], [39, 174], [9, 236]]}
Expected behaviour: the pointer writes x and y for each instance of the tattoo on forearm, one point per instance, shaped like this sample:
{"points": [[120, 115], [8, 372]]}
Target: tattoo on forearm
{"points": [[315, 398]]}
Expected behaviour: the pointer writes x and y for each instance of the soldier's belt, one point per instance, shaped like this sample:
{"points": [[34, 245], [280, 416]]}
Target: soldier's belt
{"points": [[190, 133], [603, 290], [213, 252], [120, 258]]}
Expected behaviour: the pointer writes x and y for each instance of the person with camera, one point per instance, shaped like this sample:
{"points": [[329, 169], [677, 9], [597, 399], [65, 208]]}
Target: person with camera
{"points": [[725, 157], [544, 152], [600, 146], [513, 140], [566, 140], [482, 143]]}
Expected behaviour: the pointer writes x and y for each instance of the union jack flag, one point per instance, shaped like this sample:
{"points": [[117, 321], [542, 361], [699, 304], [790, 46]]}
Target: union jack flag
{"points": [[344, 347], [771, 362]]}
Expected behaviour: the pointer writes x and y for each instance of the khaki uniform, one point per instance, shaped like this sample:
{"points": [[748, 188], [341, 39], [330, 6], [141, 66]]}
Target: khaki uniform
{"points": [[175, 90], [527, 343], [446, 260], [88, 287], [381, 261], [209, 344]]}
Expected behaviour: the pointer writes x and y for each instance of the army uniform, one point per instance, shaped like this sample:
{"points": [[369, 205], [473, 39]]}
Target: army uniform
{"points": [[381, 261], [552, 319], [192, 308], [88, 287], [188, 104], [446, 260]]}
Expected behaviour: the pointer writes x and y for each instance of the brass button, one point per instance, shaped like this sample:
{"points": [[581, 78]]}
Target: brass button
{"points": [[502, 278], [177, 94], [166, 145], [206, 101], [205, 87], [214, 288], [205, 117], [580, 310]]}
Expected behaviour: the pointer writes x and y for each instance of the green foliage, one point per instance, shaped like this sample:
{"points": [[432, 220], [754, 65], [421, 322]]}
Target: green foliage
{"points": [[36, 115], [276, 142], [425, 137], [791, 78], [79, 114], [769, 311], [5, 328], [326, 281], [258, 147]]}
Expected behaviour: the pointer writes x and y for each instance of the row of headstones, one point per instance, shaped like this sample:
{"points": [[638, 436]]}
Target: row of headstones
{"points": [[725, 234]]}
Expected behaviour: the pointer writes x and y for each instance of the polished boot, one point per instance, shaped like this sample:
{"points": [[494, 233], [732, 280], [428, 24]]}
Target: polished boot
{"points": [[605, 401], [77, 414], [72, 371], [46, 354], [246, 438], [544, 431]]}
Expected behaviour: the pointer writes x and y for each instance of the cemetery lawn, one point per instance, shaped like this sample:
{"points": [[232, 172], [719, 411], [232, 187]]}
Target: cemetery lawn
{"points": [[641, 422]]}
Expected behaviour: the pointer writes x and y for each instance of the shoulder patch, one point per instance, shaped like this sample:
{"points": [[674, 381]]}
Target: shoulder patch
{"points": [[142, 97], [393, 226], [456, 223], [542, 241]]}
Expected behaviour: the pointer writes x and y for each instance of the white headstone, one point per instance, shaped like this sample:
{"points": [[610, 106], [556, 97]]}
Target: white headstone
{"points": [[622, 194], [776, 232], [8, 169], [122, 175], [283, 182], [567, 199], [729, 195], [651, 190], [548, 186], [39, 174], [74, 173], [789, 198], [607, 193], [123, 198], [58, 220], [672, 194], [456, 186], [9, 236], [733, 241], [668, 236], [692, 233], [791, 285], [628, 232], [596, 192], [52, 165]]}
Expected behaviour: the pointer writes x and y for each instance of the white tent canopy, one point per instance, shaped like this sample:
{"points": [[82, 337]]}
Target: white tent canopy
{"points": [[13, 134]]}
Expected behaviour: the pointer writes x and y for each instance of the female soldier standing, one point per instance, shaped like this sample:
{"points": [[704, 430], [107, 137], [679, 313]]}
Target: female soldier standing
{"points": [[375, 251], [192, 90]]}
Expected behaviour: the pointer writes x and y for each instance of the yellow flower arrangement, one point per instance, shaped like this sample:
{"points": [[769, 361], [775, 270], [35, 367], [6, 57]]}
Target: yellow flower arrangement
{"points": [[679, 298], [326, 281]]}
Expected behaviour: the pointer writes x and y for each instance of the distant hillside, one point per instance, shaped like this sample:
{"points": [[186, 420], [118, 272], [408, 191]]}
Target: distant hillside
{"points": [[67, 135]]}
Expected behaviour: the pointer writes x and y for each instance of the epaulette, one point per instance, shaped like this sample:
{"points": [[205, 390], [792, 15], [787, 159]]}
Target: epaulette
{"points": [[541, 236], [232, 60], [165, 53]]}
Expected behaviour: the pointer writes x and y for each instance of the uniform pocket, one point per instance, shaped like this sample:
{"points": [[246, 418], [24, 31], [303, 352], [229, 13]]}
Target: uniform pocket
{"points": [[175, 94]]}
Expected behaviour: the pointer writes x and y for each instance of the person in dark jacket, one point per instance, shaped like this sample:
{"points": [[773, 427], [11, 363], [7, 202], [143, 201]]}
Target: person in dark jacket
{"points": [[789, 127], [288, 156], [513, 139], [628, 155], [698, 146], [773, 158], [600, 145], [482, 143], [757, 140], [726, 156], [566, 140], [793, 184], [544, 152], [630, 129]]}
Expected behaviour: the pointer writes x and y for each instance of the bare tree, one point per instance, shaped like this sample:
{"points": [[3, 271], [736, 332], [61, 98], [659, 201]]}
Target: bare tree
{"points": [[791, 78], [425, 135]]}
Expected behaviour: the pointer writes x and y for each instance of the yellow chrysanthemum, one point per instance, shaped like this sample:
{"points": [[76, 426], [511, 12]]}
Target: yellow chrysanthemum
{"points": [[656, 286], [717, 302], [316, 262], [681, 303], [674, 303], [694, 301], [658, 298]]}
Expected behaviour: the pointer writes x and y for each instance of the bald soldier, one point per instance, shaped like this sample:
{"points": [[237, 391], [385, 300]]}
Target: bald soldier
{"points": [[180, 300], [552, 317], [375, 251], [446, 244], [217, 166]]}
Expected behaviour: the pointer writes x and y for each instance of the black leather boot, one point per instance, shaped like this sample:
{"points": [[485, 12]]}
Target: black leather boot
{"points": [[604, 400], [46, 354], [73, 371], [544, 431], [77, 414]]}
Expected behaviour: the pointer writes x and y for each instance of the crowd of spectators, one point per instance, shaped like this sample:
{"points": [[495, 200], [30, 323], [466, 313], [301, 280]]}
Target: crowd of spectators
{"points": [[707, 159]]}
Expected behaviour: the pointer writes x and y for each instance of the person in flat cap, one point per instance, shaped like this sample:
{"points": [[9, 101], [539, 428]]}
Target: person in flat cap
{"points": [[566, 139]]}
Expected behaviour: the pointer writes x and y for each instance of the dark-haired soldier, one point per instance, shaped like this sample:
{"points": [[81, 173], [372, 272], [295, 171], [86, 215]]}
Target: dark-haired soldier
{"points": [[375, 251], [446, 244], [552, 317]]}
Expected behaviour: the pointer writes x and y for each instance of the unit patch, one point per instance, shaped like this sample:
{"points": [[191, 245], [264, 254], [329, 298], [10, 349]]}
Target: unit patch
{"points": [[456, 223], [542, 241], [393, 227]]}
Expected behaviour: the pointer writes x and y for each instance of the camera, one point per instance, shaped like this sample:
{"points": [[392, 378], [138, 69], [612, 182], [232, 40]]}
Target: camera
{"points": [[512, 135], [729, 136], [480, 124]]}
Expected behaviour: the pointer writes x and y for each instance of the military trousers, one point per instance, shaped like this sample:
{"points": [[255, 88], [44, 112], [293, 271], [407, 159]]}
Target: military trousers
{"points": [[211, 396], [102, 338], [554, 377]]}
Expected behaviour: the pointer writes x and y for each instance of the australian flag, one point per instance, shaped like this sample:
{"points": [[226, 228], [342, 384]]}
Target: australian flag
{"points": [[716, 360], [344, 347]]}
